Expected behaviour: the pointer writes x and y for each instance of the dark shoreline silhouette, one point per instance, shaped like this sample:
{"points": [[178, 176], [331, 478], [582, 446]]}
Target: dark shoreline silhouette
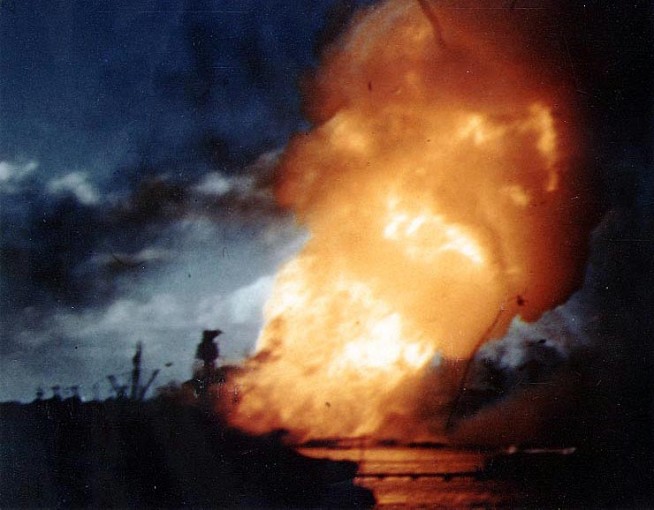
{"points": [[158, 453], [173, 452]]}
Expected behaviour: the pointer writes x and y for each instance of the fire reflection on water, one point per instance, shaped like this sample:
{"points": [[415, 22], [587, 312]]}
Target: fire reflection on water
{"points": [[425, 477]]}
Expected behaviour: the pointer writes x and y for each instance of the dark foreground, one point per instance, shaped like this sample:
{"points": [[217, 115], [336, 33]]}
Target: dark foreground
{"points": [[166, 454], [160, 453]]}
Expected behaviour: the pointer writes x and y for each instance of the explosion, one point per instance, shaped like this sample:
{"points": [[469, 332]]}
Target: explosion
{"points": [[442, 186]]}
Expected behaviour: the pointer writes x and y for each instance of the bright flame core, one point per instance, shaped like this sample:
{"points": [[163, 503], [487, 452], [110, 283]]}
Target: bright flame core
{"points": [[438, 185]]}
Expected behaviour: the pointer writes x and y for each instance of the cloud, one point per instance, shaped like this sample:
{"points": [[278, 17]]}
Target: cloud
{"points": [[122, 261], [242, 306], [216, 184], [13, 175], [568, 327], [78, 184], [78, 345], [250, 189]]}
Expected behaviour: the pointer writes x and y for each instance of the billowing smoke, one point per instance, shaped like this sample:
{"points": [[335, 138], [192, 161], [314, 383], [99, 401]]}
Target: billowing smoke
{"points": [[444, 187], [597, 387]]}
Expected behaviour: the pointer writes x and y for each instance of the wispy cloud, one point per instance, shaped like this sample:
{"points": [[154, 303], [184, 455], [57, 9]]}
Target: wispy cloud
{"points": [[77, 184], [14, 174]]}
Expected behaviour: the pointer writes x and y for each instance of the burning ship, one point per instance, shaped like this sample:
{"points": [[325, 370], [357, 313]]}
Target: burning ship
{"points": [[446, 191]]}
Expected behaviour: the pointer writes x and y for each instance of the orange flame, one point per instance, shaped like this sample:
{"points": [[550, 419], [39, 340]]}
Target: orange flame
{"points": [[437, 185]]}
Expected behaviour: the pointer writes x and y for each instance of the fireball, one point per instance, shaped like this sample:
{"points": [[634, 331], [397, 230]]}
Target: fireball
{"points": [[439, 182]]}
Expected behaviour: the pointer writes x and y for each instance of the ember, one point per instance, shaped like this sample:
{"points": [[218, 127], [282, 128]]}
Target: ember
{"points": [[437, 186]]}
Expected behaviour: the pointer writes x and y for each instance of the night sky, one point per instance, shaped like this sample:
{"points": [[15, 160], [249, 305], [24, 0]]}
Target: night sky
{"points": [[137, 152]]}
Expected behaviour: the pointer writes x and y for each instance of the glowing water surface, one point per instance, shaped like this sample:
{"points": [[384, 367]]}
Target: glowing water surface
{"points": [[402, 477]]}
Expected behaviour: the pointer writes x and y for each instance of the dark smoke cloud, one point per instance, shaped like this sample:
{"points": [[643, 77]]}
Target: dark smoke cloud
{"points": [[583, 373]]}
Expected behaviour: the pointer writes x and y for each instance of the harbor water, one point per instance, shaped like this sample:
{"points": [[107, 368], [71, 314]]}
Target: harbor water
{"points": [[404, 477]]}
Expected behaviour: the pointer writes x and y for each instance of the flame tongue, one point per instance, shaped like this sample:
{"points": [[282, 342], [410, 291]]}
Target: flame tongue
{"points": [[434, 187], [320, 336]]}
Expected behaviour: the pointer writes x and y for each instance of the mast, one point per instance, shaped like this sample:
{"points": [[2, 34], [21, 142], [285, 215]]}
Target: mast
{"points": [[136, 372]]}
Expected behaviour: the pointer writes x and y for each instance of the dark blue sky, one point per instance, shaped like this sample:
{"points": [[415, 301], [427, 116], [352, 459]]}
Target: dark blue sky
{"points": [[137, 141]]}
